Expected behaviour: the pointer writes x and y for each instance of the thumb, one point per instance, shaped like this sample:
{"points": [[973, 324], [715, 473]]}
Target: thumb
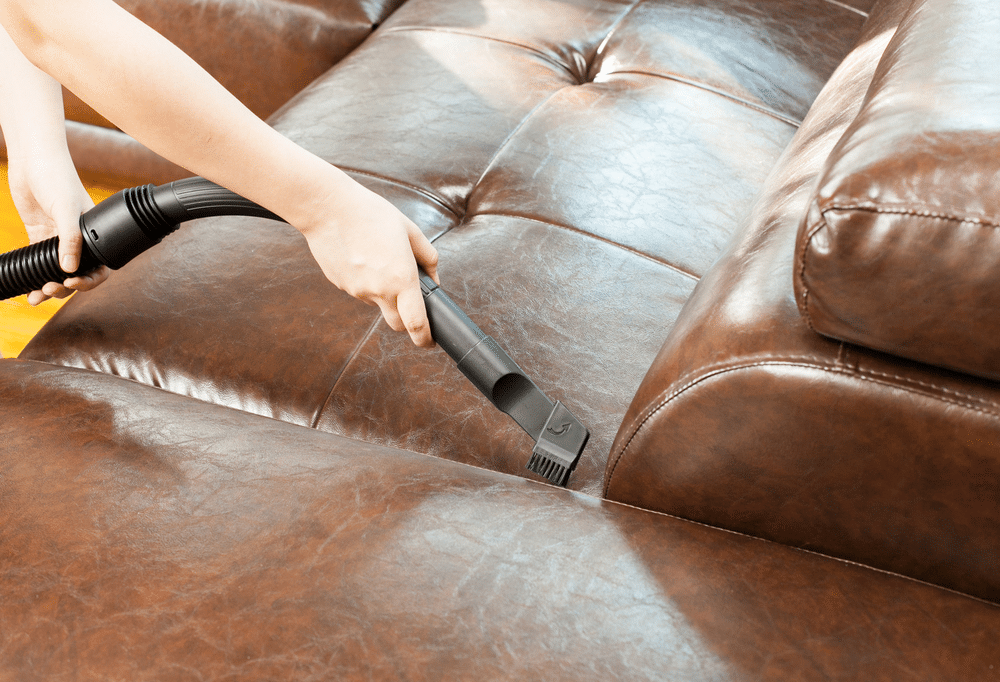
{"points": [[424, 253], [70, 239]]}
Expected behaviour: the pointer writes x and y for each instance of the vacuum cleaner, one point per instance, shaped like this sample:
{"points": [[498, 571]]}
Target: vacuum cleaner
{"points": [[135, 219]]}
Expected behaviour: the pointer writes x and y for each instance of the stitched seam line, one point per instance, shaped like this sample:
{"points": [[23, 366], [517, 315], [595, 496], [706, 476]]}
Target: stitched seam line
{"points": [[343, 370], [471, 34], [870, 207], [806, 243], [916, 212], [354, 354], [882, 378], [405, 185], [793, 548], [848, 7], [615, 25], [507, 140]]}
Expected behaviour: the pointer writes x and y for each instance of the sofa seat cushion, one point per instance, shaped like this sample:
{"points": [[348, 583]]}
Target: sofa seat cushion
{"points": [[578, 165], [148, 536], [901, 247]]}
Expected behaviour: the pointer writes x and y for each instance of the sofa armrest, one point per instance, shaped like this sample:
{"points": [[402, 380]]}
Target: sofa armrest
{"points": [[749, 420]]}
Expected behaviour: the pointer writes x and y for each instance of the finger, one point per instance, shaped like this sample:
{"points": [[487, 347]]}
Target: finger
{"points": [[70, 246], [389, 314], [424, 253], [36, 298], [88, 281], [413, 313], [55, 290]]}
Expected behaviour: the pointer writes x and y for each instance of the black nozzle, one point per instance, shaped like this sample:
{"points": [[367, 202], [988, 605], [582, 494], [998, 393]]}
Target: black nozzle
{"points": [[559, 436]]}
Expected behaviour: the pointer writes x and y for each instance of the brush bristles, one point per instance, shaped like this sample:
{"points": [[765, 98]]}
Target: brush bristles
{"points": [[556, 473]]}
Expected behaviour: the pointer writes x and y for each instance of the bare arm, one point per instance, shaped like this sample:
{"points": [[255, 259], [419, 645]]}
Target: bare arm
{"points": [[43, 182], [153, 91]]}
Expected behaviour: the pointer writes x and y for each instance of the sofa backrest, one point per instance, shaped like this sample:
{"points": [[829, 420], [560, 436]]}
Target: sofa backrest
{"points": [[262, 52]]}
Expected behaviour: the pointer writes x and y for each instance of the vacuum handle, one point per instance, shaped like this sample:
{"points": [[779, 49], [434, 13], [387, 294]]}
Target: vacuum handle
{"points": [[120, 228]]}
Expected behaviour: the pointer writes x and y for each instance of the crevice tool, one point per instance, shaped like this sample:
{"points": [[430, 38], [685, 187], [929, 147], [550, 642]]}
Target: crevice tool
{"points": [[559, 436]]}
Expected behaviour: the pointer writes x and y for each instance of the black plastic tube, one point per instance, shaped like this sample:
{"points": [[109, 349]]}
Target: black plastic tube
{"points": [[120, 228], [135, 219]]}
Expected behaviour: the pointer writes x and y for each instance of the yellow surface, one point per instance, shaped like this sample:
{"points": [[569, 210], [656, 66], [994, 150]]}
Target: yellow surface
{"points": [[18, 320]]}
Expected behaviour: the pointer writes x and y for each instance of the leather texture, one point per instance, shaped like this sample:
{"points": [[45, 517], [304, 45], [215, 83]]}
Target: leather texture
{"points": [[902, 243], [153, 537], [579, 166], [216, 466], [749, 420]]}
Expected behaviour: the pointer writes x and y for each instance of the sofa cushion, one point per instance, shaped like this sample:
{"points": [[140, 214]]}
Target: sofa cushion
{"points": [[900, 251], [147, 536]]}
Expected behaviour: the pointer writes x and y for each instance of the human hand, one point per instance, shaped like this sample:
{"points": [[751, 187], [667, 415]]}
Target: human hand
{"points": [[371, 251], [50, 198]]}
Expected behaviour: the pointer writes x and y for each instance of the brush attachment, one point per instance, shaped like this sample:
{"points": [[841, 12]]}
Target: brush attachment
{"points": [[559, 436]]}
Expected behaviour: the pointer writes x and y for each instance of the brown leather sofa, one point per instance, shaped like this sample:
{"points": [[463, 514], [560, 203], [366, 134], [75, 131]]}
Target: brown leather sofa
{"points": [[750, 243]]}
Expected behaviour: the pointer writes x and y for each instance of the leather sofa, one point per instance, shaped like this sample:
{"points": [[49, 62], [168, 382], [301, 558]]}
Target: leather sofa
{"points": [[751, 244]]}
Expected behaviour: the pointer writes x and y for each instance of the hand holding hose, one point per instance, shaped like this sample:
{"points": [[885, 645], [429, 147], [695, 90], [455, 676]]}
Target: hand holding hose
{"points": [[50, 198], [46, 190], [371, 251]]}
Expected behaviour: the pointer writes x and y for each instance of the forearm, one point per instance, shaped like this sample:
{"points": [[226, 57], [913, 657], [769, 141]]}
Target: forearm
{"points": [[125, 70], [31, 108]]}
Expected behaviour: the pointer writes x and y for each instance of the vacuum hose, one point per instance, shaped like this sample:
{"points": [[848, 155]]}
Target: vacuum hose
{"points": [[135, 219], [120, 228]]}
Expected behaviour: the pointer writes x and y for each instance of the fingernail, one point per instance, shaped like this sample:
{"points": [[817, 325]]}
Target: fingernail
{"points": [[67, 263]]}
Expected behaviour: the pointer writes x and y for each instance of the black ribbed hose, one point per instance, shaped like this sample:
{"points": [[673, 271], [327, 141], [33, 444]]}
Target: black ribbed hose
{"points": [[120, 228]]}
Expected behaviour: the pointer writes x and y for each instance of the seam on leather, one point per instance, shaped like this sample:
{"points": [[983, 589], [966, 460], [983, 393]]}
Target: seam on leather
{"points": [[880, 208], [911, 210], [405, 185], [677, 78], [806, 243], [848, 7], [882, 378], [607, 37], [482, 36], [506, 141], [793, 548], [570, 228], [314, 424]]}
